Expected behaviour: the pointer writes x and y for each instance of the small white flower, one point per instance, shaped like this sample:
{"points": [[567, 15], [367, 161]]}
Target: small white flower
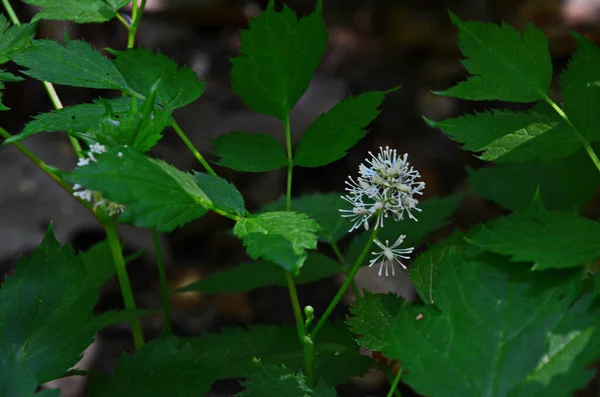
{"points": [[386, 185], [389, 255]]}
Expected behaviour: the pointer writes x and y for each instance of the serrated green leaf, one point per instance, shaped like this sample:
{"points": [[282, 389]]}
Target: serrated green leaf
{"points": [[14, 39], [79, 11], [323, 208], [5, 76], [278, 56], [78, 118], [223, 194], [155, 193], [580, 88], [139, 129], [76, 64], [15, 377], [46, 309], [434, 215], [280, 237], [142, 68], [249, 276], [247, 152], [338, 130], [549, 239], [279, 381], [159, 368], [336, 354], [371, 318], [513, 185], [426, 267], [506, 65], [506, 136], [488, 310]]}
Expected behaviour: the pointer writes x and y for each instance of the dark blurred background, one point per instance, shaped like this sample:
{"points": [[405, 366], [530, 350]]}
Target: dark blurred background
{"points": [[375, 44]]}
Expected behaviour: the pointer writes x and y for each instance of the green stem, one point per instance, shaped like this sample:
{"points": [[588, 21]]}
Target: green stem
{"points": [[123, 21], [164, 288], [347, 268], [136, 17], [306, 341], [394, 385], [48, 170], [115, 248], [290, 166], [588, 148], [49, 87], [345, 286], [193, 149]]}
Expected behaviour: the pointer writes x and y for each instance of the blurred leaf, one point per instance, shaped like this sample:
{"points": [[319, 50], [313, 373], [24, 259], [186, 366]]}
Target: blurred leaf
{"points": [[580, 87], [281, 237], [513, 185], [142, 69], [506, 65], [279, 55], [549, 239], [506, 136], [279, 381], [243, 151], [5, 76], [80, 11], [338, 130], [249, 276], [154, 193], [323, 208], [159, 368]]}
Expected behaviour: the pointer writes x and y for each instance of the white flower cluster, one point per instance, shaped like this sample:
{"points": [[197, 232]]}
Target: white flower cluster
{"points": [[94, 197], [387, 185]]}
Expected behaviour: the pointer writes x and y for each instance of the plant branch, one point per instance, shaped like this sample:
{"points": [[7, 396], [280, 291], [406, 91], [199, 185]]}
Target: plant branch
{"points": [[347, 268], [394, 385], [345, 286], [164, 288], [193, 149], [117, 253]]}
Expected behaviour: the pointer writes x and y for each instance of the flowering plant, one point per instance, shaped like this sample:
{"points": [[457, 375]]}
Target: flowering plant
{"points": [[506, 308]]}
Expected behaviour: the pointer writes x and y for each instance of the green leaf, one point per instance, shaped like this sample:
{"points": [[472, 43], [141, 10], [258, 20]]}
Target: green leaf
{"points": [[489, 309], [14, 39], [549, 239], [336, 353], [580, 88], [338, 130], [426, 267], [79, 118], [159, 368], [15, 377], [247, 152], [513, 185], [143, 68], [155, 193], [505, 65], [372, 315], [46, 309], [76, 64], [139, 129], [5, 76], [280, 237], [249, 276], [434, 215], [223, 194], [279, 55], [506, 136], [323, 208], [80, 11], [279, 381]]}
